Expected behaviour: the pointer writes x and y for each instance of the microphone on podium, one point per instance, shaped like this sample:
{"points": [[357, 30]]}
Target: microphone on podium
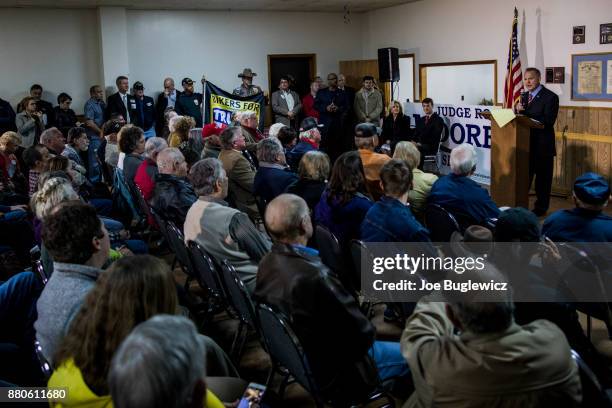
{"points": [[525, 99]]}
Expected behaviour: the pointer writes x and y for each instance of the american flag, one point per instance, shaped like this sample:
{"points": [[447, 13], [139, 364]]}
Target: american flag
{"points": [[514, 76]]}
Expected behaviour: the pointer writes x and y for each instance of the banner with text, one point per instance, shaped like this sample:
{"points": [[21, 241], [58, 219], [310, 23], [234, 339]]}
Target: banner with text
{"points": [[220, 105], [464, 124]]}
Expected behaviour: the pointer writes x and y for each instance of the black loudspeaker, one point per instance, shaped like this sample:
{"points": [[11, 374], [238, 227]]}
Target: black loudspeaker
{"points": [[388, 65]]}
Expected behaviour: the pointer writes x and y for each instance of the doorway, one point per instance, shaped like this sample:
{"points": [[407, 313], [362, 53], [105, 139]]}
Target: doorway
{"points": [[301, 66]]}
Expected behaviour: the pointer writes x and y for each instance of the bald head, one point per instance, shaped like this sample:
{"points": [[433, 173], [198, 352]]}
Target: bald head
{"points": [[171, 161], [288, 219]]}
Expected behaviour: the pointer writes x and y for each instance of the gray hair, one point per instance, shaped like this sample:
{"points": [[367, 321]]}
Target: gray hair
{"points": [[228, 136], [167, 158], [409, 153], [205, 174], [285, 216], [273, 131], [248, 114], [153, 146], [484, 312], [463, 159], [268, 150], [158, 364], [48, 135]]}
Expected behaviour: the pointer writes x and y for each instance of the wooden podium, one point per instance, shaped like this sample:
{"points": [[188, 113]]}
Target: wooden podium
{"points": [[510, 160]]}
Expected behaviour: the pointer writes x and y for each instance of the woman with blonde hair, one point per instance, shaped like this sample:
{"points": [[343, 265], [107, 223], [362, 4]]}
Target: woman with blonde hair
{"points": [[180, 127], [313, 172], [421, 181], [396, 126], [12, 179]]}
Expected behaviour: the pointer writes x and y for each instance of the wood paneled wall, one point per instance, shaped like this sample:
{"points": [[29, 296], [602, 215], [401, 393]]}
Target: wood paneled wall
{"points": [[354, 71], [584, 143]]}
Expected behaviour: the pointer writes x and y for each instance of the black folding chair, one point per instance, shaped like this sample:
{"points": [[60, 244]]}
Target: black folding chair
{"points": [[240, 300], [40, 269], [45, 367], [593, 394], [332, 255], [206, 275], [177, 245], [440, 222], [589, 281], [286, 351]]}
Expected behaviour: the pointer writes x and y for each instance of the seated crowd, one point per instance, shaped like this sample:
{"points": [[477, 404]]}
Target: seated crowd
{"points": [[89, 210]]}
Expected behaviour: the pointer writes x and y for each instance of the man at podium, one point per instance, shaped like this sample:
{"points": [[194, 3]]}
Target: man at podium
{"points": [[541, 104]]}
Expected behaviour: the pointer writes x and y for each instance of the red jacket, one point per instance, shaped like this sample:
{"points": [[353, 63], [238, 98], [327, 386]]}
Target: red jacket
{"points": [[308, 106]]}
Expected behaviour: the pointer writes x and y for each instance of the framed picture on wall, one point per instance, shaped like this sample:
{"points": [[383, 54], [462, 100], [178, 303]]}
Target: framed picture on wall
{"points": [[592, 77]]}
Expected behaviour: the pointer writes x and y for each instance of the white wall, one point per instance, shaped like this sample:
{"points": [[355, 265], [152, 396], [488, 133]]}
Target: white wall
{"points": [[55, 48], [451, 30], [461, 84], [220, 44]]}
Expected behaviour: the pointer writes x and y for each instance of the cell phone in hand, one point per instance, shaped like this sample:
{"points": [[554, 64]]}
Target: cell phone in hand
{"points": [[253, 397]]}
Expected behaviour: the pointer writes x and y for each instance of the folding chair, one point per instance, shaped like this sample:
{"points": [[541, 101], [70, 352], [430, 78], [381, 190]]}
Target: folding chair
{"points": [[332, 255], [593, 394], [440, 222], [286, 351], [177, 245], [431, 163], [589, 280], [207, 275], [45, 367], [240, 300]]}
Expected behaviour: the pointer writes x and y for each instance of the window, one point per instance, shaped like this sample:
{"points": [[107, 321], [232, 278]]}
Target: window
{"points": [[467, 83], [405, 87]]}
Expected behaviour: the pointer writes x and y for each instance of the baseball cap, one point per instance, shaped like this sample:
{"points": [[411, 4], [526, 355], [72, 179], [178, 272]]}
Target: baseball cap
{"points": [[309, 123], [366, 130], [592, 188], [187, 81], [138, 85], [517, 224]]}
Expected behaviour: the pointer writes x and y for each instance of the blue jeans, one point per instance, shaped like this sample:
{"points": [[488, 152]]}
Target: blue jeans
{"points": [[94, 171], [18, 297], [137, 246], [389, 359], [103, 206], [149, 133]]}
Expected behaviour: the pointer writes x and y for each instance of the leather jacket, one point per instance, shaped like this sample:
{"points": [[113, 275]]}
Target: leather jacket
{"points": [[326, 319], [172, 197]]}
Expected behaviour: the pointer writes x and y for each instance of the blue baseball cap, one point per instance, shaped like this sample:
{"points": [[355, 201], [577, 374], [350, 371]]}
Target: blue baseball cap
{"points": [[592, 188]]}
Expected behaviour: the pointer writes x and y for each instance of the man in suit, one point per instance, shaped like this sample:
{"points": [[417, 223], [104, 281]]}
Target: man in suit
{"points": [[368, 102], [428, 130], [121, 102], [166, 99], [541, 104], [145, 111], [286, 104], [331, 104]]}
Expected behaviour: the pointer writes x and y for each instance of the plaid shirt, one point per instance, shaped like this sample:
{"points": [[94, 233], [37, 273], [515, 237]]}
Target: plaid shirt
{"points": [[33, 182]]}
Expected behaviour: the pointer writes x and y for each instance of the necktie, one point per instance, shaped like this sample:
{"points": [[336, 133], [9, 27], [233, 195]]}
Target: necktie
{"points": [[426, 119], [127, 109], [529, 99]]}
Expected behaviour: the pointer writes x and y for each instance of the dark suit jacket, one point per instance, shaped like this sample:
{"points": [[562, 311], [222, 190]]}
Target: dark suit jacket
{"points": [[544, 108], [160, 107], [396, 130], [114, 105], [429, 134], [270, 182]]}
